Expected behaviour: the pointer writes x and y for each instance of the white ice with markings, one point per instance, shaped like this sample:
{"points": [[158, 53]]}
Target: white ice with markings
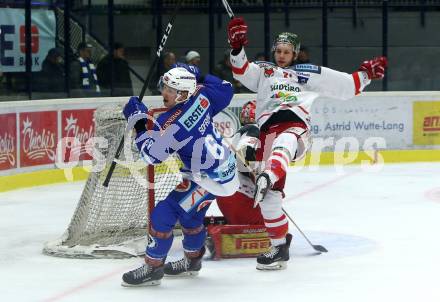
{"points": [[381, 230]]}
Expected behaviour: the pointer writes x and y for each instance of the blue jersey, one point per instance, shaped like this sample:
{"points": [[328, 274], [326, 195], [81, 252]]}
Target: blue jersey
{"points": [[187, 129]]}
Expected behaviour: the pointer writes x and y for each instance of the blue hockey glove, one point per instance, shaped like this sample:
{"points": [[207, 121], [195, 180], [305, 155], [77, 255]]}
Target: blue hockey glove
{"points": [[135, 112], [191, 68]]}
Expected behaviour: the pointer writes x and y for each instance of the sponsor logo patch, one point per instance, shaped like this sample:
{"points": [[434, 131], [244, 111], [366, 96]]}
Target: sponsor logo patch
{"points": [[194, 199], [285, 97], [205, 124], [302, 80], [171, 119], [307, 68], [194, 113], [269, 72], [286, 87]]}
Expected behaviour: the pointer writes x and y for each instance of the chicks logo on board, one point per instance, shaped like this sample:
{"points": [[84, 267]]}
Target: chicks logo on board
{"points": [[38, 138], [8, 141], [80, 125]]}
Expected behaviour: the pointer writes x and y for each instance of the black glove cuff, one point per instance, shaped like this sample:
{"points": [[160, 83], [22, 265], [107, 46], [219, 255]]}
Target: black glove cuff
{"points": [[236, 51], [141, 125]]}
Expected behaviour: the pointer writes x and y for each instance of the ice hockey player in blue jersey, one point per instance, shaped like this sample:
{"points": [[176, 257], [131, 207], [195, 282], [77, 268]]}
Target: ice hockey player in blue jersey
{"points": [[185, 129]]}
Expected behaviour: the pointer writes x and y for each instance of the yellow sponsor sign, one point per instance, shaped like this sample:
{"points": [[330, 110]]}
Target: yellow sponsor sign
{"points": [[244, 244], [426, 123]]}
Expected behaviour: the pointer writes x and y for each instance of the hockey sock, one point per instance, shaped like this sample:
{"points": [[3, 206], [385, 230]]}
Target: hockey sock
{"points": [[194, 238], [277, 229], [153, 261], [160, 244], [276, 165]]}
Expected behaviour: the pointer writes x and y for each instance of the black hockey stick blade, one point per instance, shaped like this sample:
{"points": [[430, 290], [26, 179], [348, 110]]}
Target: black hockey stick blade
{"points": [[320, 248], [316, 247]]}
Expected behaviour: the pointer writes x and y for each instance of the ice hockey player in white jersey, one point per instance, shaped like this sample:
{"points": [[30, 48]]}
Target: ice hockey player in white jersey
{"points": [[285, 94]]}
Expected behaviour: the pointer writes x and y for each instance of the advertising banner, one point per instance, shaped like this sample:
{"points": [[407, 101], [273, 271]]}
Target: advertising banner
{"points": [[79, 125], [38, 138], [8, 141], [13, 37], [226, 122], [388, 118], [32, 133], [426, 123]]}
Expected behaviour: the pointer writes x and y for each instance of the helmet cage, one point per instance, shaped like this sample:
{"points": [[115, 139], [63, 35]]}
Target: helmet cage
{"points": [[247, 114]]}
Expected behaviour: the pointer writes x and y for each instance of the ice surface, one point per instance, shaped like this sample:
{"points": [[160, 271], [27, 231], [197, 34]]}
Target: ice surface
{"points": [[381, 230]]}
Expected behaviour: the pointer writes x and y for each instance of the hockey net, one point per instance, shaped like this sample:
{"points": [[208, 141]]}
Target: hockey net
{"points": [[113, 222]]}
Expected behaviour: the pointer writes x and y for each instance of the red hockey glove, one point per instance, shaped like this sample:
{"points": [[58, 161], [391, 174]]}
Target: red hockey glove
{"points": [[237, 33], [375, 68]]}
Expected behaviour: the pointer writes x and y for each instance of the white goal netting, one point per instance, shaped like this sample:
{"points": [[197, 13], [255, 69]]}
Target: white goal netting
{"points": [[113, 222]]}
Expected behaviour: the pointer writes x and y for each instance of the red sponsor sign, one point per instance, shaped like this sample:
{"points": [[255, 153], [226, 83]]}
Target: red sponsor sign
{"points": [[431, 123], [38, 138], [8, 141], [35, 39], [80, 125]]}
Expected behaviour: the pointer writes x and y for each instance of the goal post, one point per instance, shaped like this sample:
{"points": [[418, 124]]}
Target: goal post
{"points": [[113, 222]]}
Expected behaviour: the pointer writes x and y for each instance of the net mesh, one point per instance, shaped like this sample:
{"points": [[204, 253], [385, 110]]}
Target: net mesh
{"points": [[112, 222]]}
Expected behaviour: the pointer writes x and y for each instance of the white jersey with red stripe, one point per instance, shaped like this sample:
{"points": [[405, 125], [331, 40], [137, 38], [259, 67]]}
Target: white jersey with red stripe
{"points": [[293, 88]]}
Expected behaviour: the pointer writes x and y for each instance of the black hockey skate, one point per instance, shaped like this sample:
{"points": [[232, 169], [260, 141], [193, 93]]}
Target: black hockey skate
{"points": [[262, 186], [146, 275], [276, 258], [189, 265]]}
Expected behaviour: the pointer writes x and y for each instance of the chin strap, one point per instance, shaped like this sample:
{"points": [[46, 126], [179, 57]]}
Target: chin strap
{"points": [[179, 97]]}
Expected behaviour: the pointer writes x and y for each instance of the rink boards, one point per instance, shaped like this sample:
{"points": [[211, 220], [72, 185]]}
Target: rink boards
{"points": [[384, 127]]}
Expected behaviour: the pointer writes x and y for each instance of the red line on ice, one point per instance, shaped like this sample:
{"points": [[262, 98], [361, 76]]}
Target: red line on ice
{"points": [[84, 285], [112, 273]]}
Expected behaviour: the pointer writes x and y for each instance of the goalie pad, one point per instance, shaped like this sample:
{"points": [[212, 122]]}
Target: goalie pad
{"points": [[236, 241]]}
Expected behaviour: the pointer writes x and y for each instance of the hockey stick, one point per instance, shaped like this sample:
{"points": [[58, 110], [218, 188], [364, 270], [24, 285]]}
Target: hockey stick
{"points": [[144, 87], [228, 9], [316, 247]]}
